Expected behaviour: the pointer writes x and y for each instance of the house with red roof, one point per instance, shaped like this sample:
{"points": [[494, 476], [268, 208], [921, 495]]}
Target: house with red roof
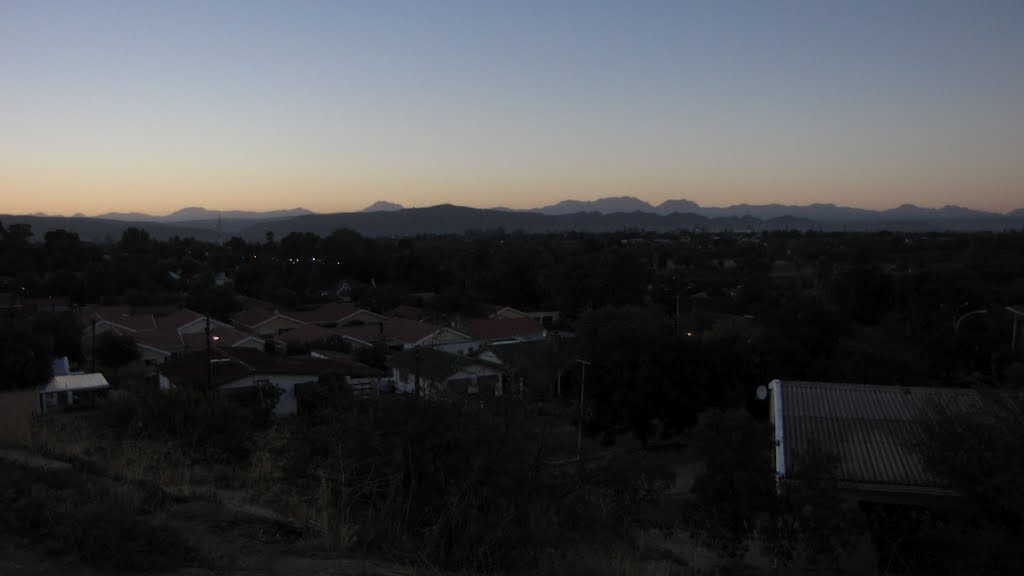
{"points": [[336, 314], [100, 319], [402, 334], [265, 321], [185, 330], [312, 336]]}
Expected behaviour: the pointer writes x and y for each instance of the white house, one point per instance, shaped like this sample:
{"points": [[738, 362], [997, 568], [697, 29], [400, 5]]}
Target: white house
{"points": [[70, 391]]}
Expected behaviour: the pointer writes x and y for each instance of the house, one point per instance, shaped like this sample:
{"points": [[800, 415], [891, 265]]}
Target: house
{"points": [[243, 371], [157, 346], [336, 314], [265, 321], [406, 311], [310, 335], [438, 374], [158, 337], [401, 334], [72, 391], [120, 319], [874, 431], [543, 317], [363, 385], [185, 321], [502, 330], [508, 312]]}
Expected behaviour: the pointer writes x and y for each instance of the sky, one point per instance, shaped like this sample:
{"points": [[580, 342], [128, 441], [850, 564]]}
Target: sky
{"points": [[152, 106]]}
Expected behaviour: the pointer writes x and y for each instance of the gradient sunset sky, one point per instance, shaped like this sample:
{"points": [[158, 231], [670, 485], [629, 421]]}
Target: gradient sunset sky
{"points": [[156, 105]]}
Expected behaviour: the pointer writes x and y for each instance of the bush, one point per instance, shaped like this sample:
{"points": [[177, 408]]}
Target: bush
{"points": [[70, 514], [738, 483], [444, 482], [214, 426]]}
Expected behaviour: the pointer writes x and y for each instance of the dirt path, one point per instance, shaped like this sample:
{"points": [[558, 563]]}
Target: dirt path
{"points": [[23, 458]]}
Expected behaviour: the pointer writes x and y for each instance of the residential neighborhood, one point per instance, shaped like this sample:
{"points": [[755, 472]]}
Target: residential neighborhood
{"points": [[704, 361]]}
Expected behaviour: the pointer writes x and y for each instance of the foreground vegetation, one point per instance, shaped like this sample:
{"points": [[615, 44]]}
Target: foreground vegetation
{"points": [[67, 513]]}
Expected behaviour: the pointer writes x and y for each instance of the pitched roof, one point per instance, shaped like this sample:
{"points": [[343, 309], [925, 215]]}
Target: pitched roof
{"points": [[222, 336], [501, 328], [166, 340], [408, 331], [72, 382], [309, 333], [177, 319], [253, 317], [190, 369], [362, 332], [330, 312], [393, 329], [874, 430], [508, 312], [405, 311], [120, 316]]}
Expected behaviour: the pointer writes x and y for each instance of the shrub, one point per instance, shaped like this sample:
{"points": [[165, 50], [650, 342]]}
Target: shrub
{"points": [[207, 422], [439, 481], [68, 513]]}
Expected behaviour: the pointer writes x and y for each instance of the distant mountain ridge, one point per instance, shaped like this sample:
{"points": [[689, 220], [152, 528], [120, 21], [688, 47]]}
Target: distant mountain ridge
{"points": [[193, 213], [383, 206], [602, 215], [826, 212]]}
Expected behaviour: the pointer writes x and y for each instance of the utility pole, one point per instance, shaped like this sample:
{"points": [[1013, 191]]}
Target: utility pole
{"points": [[209, 363], [93, 353], [579, 428], [677, 311], [417, 372]]}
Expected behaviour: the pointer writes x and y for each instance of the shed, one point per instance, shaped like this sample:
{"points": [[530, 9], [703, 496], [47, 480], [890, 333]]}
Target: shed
{"points": [[874, 431], [72, 391]]}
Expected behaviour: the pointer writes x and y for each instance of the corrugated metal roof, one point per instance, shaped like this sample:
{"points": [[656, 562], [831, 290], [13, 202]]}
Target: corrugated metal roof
{"points": [[73, 382], [873, 430]]}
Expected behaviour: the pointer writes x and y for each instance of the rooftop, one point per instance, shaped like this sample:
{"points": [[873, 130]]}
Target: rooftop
{"points": [[874, 431], [500, 328], [72, 382]]}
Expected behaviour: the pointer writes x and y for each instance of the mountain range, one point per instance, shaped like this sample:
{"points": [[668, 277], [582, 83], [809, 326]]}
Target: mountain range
{"points": [[603, 215], [194, 213], [612, 205]]}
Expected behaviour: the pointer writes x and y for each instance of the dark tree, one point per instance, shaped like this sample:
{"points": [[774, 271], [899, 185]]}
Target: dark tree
{"points": [[115, 350]]}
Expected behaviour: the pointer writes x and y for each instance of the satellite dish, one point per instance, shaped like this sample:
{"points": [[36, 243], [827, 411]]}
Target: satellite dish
{"points": [[762, 392]]}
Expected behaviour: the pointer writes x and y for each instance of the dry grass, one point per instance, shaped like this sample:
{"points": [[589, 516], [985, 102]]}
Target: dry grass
{"points": [[16, 410], [585, 562], [83, 438]]}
